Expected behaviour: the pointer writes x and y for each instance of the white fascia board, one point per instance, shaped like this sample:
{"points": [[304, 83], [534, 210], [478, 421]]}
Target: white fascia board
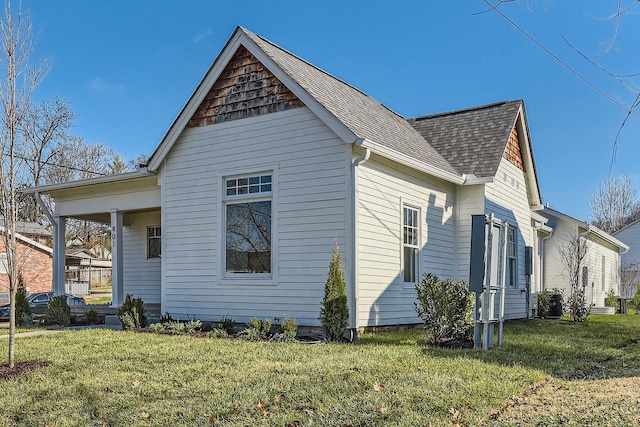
{"points": [[471, 179], [316, 107], [607, 237], [46, 189], [412, 163], [190, 108], [194, 101], [523, 129]]}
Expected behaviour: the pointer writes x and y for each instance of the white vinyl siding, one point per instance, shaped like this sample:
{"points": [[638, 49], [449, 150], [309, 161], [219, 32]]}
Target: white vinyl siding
{"points": [[141, 275], [309, 209], [384, 187], [507, 198]]}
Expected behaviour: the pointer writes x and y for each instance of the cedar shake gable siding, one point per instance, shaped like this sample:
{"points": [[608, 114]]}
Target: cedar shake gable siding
{"points": [[512, 152], [472, 140], [244, 89]]}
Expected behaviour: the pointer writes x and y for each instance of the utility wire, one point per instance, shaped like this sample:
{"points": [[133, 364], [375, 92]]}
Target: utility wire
{"points": [[629, 111], [28, 159]]}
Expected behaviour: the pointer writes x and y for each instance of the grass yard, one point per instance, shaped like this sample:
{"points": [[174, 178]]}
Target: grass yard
{"points": [[547, 373]]}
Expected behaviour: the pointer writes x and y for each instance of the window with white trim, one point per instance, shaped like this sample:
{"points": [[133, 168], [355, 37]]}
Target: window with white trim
{"points": [[512, 258], [410, 243], [154, 242], [4, 269], [247, 222], [604, 264]]}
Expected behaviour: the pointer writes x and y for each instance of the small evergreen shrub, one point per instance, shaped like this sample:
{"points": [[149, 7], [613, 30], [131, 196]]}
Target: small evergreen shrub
{"points": [[23, 311], [611, 300], [176, 327], [132, 313], [91, 316], [577, 306], [334, 314], [58, 312], [445, 307], [227, 324], [544, 304], [192, 326]]}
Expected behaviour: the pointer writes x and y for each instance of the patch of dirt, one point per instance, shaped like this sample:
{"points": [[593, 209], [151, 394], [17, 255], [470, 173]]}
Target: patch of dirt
{"points": [[20, 368]]}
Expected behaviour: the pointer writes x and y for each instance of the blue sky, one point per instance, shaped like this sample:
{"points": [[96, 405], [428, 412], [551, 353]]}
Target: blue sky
{"points": [[128, 67]]}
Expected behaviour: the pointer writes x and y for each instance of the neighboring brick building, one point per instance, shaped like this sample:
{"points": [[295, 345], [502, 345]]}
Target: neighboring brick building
{"points": [[34, 262]]}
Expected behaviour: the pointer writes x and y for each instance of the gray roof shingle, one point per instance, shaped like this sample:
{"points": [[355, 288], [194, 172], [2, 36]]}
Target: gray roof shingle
{"points": [[365, 116], [471, 140]]}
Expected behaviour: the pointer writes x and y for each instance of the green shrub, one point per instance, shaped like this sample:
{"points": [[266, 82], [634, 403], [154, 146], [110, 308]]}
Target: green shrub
{"points": [[57, 312], [176, 327], [289, 330], [218, 333], [445, 307], [227, 324], [334, 314], [23, 311], [635, 302], [577, 305], [611, 300], [544, 304], [166, 317], [156, 328], [192, 326], [91, 316], [132, 313]]}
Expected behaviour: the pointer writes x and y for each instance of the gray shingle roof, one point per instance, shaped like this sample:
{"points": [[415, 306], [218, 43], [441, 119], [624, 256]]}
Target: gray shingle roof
{"points": [[365, 116], [472, 140]]}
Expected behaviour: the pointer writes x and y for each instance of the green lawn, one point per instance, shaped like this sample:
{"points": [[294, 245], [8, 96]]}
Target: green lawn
{"points": [[102, 377]]}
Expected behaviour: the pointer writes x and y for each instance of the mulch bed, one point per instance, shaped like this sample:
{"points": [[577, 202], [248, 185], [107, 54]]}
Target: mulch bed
{"points": [[454, 343], [20, 368]]}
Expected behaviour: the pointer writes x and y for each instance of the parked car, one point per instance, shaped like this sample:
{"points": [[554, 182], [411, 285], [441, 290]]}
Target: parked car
{"points": [[38, 303]]}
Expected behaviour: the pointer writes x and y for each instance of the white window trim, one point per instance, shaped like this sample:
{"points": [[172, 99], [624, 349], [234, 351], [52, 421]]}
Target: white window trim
{"points": [[247, 279], [4, 263], [155, 237], [516, 285], [416, 207]]}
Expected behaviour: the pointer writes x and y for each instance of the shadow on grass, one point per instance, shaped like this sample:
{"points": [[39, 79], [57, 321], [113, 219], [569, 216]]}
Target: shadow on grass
{"points": [[607, 346]]}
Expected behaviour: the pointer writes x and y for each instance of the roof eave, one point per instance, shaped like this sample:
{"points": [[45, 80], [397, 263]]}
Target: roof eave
{"points": [[46, 189], [413, 163]]}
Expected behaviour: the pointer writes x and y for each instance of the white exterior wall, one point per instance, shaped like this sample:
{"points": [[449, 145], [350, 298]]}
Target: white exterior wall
{"points": [[631, 236], [311, 173], [471, 201], [142, 276], [507, 198], [555, 275], [384, 187]]}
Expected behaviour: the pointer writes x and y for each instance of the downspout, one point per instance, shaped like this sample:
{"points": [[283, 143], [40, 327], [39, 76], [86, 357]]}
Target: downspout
{"points": [[355, 163]]}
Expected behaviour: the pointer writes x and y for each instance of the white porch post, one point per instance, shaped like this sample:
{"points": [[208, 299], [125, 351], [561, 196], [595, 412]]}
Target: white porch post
{"points": [[59, 246], [117, 295]]}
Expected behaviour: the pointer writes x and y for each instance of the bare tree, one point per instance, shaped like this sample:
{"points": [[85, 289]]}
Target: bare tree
{"points": [[614, 203], [18, 80], [573, 254], [629, 274]]}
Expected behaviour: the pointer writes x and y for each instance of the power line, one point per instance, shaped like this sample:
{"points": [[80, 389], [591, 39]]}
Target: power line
{"points": [[629, 111], [27, 159]]}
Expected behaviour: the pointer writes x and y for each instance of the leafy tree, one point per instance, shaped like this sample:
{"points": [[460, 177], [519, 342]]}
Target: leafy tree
{"points": [[334, 314]]}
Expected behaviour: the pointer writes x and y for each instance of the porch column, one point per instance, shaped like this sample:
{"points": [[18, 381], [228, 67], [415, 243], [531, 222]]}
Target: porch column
{"points": [[117, 295], [59, 246]]}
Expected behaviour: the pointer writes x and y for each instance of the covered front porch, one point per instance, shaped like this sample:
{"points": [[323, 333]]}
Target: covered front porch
{"points": [[130, 204]]}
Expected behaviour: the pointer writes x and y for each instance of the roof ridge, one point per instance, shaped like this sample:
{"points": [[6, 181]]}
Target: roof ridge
{"points": [[465, 110], [322, 71]]}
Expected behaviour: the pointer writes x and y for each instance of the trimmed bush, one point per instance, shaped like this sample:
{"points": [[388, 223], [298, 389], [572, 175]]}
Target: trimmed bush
{"points": [[611, 300], [58, 312], [544, 304], [91, 316], [334, 314], [445, 307], [132, 313]]}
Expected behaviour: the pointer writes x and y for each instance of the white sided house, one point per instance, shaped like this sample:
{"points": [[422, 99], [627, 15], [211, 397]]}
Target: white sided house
{"points": [[272, 161], [600, 267]]}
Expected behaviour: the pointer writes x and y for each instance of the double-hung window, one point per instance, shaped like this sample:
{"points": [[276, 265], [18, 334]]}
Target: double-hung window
{"points": [[247, 222], [4, 264], [154, 246], [512, 258], [410, 243]]}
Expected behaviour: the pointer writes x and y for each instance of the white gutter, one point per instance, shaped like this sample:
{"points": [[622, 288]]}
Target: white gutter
{"points": [[355, 163]]}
